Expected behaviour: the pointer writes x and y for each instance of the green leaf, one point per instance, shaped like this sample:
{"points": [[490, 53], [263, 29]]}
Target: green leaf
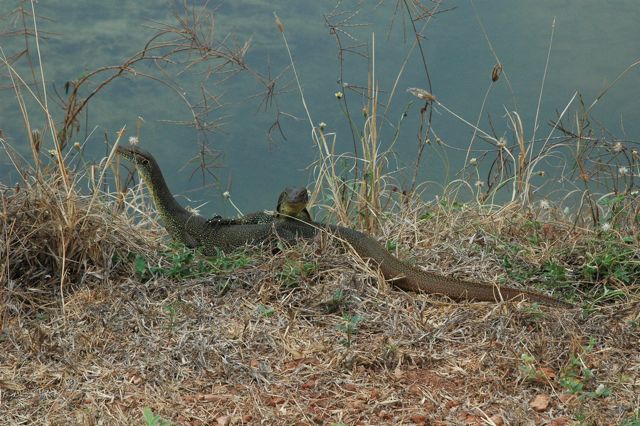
{"points": [[140, 265]]}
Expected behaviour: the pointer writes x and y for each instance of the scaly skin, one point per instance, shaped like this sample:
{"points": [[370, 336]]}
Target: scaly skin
{"points": [[195, 231], [191, 229], [410, 278], [292, 203]]}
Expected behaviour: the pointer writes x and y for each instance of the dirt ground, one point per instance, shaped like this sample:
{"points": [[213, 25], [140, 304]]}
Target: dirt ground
{"points": [[310, 334], [333, 346]]}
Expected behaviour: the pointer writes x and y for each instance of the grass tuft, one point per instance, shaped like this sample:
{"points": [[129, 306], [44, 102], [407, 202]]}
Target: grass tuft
{"points": [[56, 240]]}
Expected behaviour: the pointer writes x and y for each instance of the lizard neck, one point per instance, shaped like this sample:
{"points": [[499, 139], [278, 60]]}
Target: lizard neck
{"points": [[177, 220]]}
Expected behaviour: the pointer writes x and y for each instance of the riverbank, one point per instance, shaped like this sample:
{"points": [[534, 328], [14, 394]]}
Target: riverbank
{"points": [[309, 334]]}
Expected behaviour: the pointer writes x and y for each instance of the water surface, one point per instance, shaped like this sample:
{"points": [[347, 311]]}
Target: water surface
{"points": [[592, 44]]}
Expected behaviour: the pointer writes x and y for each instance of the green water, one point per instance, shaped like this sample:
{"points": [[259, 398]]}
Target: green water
{"points": [[592, 44]]}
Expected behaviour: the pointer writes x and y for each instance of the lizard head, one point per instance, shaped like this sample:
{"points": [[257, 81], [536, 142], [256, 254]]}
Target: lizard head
{"points": [[144, 161], [293, 202]]}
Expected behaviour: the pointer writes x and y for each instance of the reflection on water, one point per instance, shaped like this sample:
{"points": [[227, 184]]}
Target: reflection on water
{"points": [[592, 44]]}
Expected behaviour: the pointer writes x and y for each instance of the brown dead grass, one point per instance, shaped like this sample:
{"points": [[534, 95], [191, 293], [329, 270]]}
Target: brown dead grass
{"points": [[55, 239], [263, 345]]}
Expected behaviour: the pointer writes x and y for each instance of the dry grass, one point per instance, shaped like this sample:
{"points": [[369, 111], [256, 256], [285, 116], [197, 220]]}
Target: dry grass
{"points": [[305, 336], [310, 335], [56, 240]]}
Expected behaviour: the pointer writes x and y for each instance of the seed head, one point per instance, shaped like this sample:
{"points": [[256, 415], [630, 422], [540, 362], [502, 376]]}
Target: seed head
{"points": [[421, 94]]}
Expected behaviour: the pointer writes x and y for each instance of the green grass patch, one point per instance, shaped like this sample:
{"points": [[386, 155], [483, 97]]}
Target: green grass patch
{"points": [[180, 262]]}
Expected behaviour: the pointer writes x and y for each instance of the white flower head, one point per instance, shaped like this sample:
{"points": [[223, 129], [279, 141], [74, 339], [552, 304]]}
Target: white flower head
{"points": [[544, 204], [623, 171], [605, 226], [133, 140], [617, 147]]}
